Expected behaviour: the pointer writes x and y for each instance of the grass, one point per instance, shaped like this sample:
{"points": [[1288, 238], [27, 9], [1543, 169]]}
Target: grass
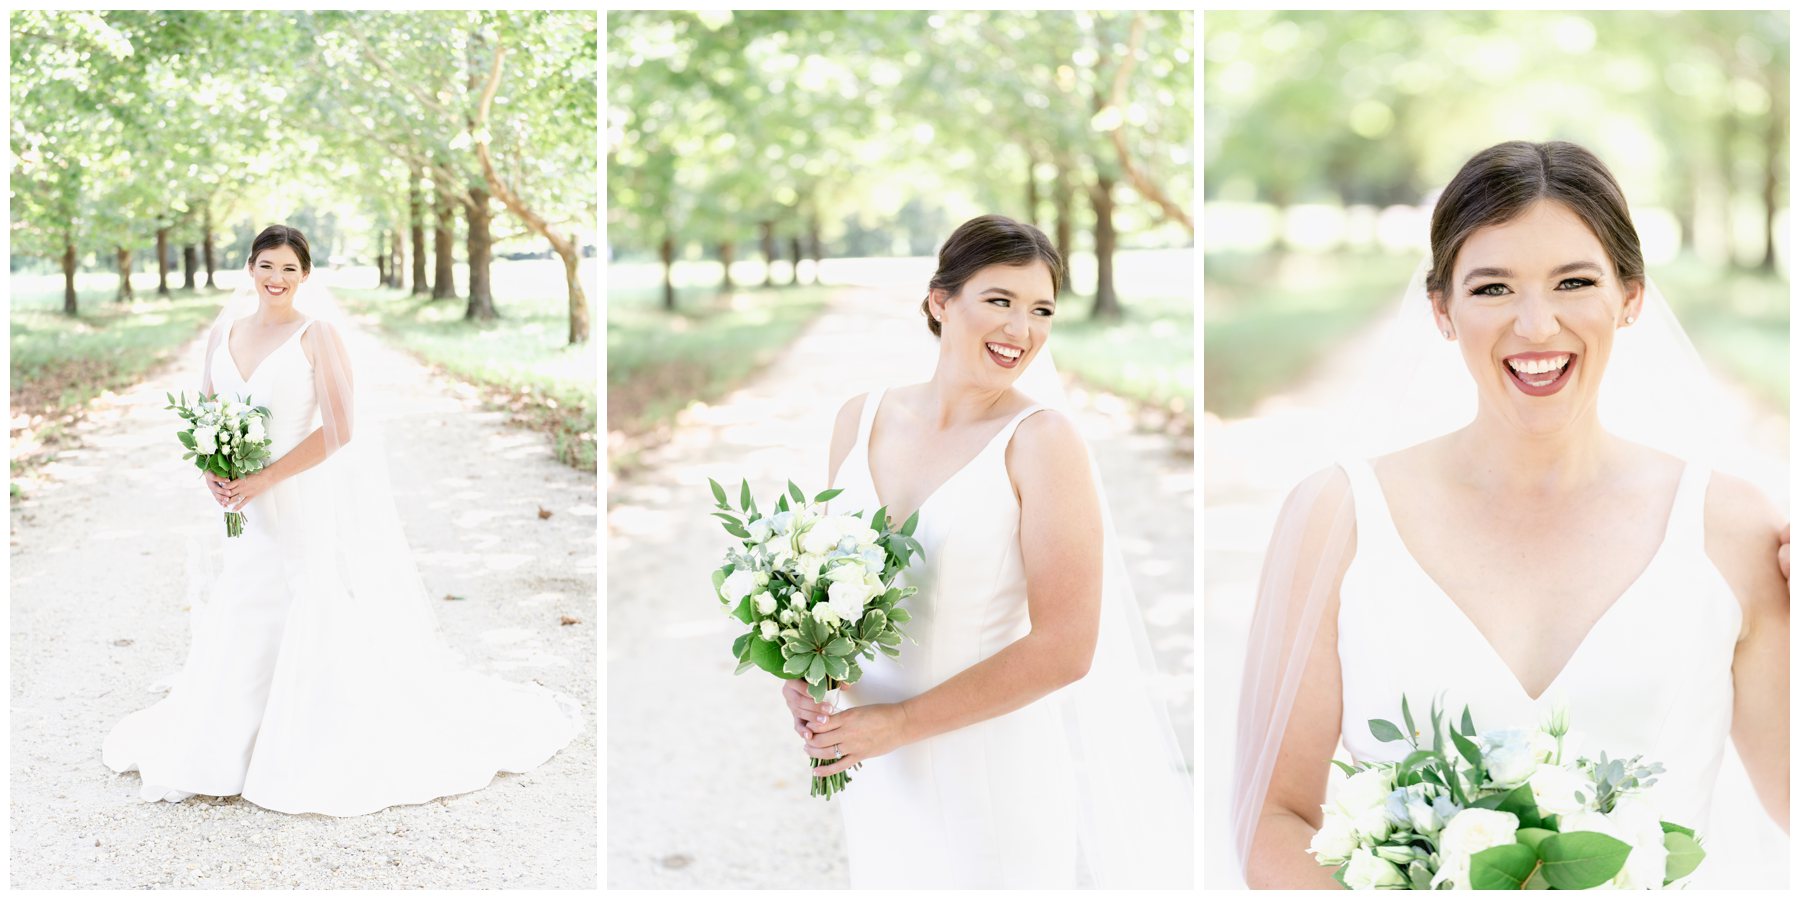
{"points": [[1737, 319], [1148, 357], [659, 363], [1270, 318], [522, 361], [60, 364]]}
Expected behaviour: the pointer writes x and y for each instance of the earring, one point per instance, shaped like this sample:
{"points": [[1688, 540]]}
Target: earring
{"points": [[1630, 319], [1446, 334]]}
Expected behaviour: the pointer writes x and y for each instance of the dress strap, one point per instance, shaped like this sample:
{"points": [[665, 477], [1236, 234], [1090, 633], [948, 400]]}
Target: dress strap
{"points": [[1374, 522], [871, 404], [1005, 436], [1687, 514]]}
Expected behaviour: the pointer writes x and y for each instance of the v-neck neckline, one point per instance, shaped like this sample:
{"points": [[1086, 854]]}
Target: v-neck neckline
{"points": [[238, 368], [869, 458], [1481, 636]]}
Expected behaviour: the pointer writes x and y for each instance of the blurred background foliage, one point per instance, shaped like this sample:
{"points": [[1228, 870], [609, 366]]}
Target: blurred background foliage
{"points": [[758, 161], [1328, 135], [414, 149]]}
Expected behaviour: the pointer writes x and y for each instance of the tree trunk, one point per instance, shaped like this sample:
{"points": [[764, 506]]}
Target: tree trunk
{"points": [[189, 263], [399, 269], [68, 267], [579, 325], [208, 247], [443, 284], [381, 259], [794, 253], [1774, 157], [667, 249], [481, 255], [816, 244], [124, 260], [725, 253], [1063, 193], [768, 250], [1031, 190], [162, 262], [1106, 301], [416, 207]]}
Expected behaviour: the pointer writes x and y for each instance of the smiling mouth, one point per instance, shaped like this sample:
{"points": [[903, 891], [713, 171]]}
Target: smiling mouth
{"points": [[1005, 356], [1540, 375]]}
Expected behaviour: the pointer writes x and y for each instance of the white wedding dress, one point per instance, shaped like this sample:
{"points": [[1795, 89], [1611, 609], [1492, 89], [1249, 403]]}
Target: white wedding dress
{"points": [[315, 682], [1652, 677], [991, 805]]}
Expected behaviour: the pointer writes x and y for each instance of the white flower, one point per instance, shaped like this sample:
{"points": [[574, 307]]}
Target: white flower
{"points": [[1445, 808], [782, 522], [1333, 843], [1410, 808], [826, 615], [822, 537], [1364, 791], [1636, 823], [737, 586], [1468, 833], [845, 568], [788, 616], [255, 433], [809, 564], [1511, 756], [1369, 872], [769, 630], [1372, 823], [846, 599], [760, 530], [205, 440], [764, 602], [1554, 789]]}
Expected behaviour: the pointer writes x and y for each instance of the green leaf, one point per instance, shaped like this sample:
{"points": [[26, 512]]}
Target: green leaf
{"points": [[1468, 749], [744, 612], [878, 521], [741, 646], [766, 655], [1412, 731], [900, 616], [795, 492], [718, 494], [728, 518], [743, 666], [1502, 868], [744, 499], [1468, 724], [817, 691], [840, 647], [836, 667], [1579, 860], [798, 665], [912, 522], [186, 438], [824, 496], [736, 531], [1522, 803], [1685, 855], [1416, 759], [1348, 770], [1532, 837], [1419, 875], [1672, 828], [888, 638], [781, 504], [891, 652], [873, 623], [816, 670], [1383, 730]]}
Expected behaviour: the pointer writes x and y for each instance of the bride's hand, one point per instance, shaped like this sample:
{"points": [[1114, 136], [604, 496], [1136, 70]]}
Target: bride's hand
{"points": [[856, 734], [216, 486], [801, 706], [1781, 556], [241, 491]]}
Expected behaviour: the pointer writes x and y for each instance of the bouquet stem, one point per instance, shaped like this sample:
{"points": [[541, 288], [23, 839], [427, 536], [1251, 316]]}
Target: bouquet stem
{"points": [[830, 784], [234, 524]]}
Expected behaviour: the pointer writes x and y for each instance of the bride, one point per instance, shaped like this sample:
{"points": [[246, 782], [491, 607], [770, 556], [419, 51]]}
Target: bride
{"points": [[1018, 743], [316, 681], [1532, 556]]}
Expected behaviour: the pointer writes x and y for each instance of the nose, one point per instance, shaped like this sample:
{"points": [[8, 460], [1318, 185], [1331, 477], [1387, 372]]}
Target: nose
{"points": [[1536, 320], [1017, 326]]}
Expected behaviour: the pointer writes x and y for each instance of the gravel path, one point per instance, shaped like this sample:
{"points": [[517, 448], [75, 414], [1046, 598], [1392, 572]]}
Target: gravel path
{"points": [[98, 614], [706, 784]]}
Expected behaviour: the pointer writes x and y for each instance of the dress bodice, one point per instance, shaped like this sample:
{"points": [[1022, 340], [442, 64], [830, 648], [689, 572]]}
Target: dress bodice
{"points": [[1652, 676], [971, 581], [283, 382]]}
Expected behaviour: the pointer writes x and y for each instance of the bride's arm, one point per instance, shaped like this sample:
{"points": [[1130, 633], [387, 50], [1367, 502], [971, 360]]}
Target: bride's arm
{"points": [[1742, 528], [324, 348], [1289, 814], [1060, 543]]}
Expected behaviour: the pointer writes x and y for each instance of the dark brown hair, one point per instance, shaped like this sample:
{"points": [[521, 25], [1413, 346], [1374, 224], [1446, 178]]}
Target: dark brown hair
{"points": [[282, 236], [989, 241], [1499, 183]]}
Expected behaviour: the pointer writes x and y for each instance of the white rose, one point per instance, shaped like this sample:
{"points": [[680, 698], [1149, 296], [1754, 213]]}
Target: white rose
{"points": [[845, 568], [1554, 789], [1509, 757], [1368, 872], [764, 602], [1364, 791], [760, 530], [809, 564], [205, 440], [1468, 833], [1333, 843], [737, 586], [1373, 823], [782, 522], [1423, 817], [788, 616], [1410, 808], [256, 433], [822, 537], [769, 630], [846, 599], [826, 615]]}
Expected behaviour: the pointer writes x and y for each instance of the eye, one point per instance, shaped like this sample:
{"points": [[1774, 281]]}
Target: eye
{"points": [[1488, 290], [1578, 283], [1002, 302], [1045, 311]]}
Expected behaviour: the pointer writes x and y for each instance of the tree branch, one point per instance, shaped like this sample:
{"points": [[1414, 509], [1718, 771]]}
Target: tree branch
{"points": [[1139, 181]]}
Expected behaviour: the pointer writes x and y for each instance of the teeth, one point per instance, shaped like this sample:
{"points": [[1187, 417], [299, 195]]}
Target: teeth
{"points": [[1538, 367], [1008, 352]]}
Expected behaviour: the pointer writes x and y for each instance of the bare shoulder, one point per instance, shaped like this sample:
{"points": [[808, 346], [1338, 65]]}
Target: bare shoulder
{"points": [[1320, 512], [1742, 532], [843, 432], [1047, 448]]}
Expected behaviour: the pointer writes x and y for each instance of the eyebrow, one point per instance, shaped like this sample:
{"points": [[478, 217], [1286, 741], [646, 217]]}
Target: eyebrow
{"points": [[1564, 269], [1004, 292]]}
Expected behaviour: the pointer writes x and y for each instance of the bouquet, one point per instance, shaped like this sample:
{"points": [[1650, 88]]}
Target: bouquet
{"points": [[228, 438], [1498, 810], [817, 591]]}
